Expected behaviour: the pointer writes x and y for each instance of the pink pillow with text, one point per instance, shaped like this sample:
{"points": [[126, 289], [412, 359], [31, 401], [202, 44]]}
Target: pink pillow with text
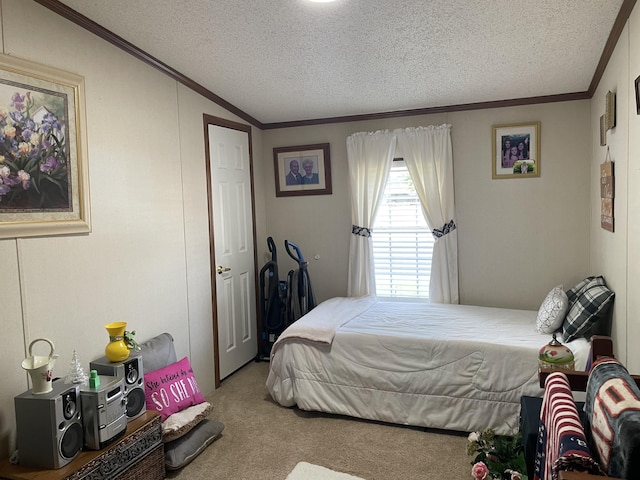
{"points": [[171, 389]]}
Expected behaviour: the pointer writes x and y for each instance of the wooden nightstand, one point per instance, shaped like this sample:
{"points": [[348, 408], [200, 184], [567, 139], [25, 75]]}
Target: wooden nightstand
{"points": [[138, 455]]}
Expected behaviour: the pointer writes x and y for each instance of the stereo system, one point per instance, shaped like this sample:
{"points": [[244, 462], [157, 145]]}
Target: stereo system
{"points": [[49, 426], [54, 427], [131, 370], [104, 412]]}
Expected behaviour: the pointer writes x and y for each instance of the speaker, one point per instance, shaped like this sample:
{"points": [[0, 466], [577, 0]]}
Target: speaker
{"points": [[49, 426], [131, 370]]}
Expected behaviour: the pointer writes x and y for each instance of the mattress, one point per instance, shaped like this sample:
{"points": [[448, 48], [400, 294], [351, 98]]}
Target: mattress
{"points": [[454, 367]]}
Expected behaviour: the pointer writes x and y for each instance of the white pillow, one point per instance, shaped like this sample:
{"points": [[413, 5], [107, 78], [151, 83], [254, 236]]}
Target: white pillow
{"points": [[552, 311]]}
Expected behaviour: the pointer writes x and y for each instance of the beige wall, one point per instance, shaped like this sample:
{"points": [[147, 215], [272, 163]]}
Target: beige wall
{"points": [[146, 261], [633, 199], [609, 250], [615, 255], [517, 238]]}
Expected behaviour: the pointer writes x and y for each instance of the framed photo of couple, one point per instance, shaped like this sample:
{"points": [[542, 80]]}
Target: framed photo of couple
{"points": [[516, 150], [302, 170]]}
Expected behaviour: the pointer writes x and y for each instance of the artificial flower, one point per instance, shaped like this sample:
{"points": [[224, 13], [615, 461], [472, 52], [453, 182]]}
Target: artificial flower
{"points": [[514, 474], [501, 455], [480, 471]]}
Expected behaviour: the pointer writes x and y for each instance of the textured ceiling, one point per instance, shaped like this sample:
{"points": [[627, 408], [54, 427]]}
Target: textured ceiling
{"points": [[291, 60]]}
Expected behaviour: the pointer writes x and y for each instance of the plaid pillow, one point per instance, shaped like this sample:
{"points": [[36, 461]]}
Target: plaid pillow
{"points": [[572, 293], [592, 301]]}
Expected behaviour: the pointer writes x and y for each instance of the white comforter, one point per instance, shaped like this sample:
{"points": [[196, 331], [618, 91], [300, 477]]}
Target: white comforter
{"points": [[455, 367]]}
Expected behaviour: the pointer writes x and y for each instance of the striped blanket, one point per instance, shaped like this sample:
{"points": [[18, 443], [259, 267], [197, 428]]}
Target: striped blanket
{"points": [[613, 410], [561, 440]]}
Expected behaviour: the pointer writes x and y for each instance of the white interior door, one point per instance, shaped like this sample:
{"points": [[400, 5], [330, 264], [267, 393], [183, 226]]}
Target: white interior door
{"points": [[233, 264]]}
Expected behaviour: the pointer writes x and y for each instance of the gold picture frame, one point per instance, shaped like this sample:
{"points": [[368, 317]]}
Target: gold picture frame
{"points": [[516, 150], [44, 178]]}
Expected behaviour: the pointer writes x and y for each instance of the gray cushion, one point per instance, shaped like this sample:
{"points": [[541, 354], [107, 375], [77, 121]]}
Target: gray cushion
{"points": [[180, 452], [593, 302], [157, 352]]}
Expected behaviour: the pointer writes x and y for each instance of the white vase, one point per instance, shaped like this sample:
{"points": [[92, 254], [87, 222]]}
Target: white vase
{"points": [[40, 368]]}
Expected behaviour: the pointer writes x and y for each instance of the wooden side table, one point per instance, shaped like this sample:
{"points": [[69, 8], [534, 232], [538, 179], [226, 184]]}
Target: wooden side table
{"points": [[138, 455]]}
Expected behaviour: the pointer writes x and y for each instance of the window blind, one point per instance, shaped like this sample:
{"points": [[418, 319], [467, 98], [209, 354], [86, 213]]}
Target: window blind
{"points": [[402, 241]]}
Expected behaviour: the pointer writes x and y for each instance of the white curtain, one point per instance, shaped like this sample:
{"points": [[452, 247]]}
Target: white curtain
{"points": [[369, 157], [427, 153]]}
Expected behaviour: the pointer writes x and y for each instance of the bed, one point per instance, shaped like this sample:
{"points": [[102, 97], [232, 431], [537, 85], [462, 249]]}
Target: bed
{"points": [[453, 367]]}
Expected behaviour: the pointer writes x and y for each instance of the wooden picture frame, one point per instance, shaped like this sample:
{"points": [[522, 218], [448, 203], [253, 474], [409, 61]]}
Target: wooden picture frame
{"points": [[44, 180], [516, 150], [302, 170]]}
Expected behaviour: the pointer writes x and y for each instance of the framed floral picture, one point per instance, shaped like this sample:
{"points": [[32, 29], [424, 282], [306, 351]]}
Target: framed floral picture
{"points": [[44, 181], [516, 150], [302, 170]]}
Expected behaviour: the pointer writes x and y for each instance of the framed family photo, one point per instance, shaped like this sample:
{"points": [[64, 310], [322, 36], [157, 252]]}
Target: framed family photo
{"points": [[516, 150], [302, 170], [44, 182]]}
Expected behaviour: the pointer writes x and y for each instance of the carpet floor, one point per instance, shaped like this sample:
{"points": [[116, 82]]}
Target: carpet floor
{"points": [[264, 441]]}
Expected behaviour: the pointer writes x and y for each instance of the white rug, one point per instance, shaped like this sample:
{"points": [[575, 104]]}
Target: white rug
{"points": [[308, 471]]}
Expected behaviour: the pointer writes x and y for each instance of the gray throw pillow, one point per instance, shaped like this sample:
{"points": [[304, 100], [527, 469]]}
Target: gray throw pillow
{"points": [[180, 452]]}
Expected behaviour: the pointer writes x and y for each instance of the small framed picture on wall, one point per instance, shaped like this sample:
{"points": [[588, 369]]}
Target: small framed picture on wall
{"points": [[302, 170], [516, 150]]}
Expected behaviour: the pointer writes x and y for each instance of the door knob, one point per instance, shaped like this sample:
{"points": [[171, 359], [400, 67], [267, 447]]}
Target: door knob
{"points": [[221, 270]]}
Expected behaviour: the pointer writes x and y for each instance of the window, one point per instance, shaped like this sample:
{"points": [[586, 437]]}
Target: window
{"points": [[402, 241]]}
